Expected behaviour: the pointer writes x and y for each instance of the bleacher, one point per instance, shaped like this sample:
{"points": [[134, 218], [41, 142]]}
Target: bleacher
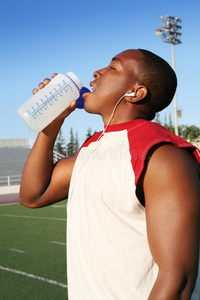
{"points": [[13, 155]]}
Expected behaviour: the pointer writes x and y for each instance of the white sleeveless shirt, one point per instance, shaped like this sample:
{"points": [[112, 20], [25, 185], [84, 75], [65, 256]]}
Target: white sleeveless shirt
{"points": [[108, 256]]}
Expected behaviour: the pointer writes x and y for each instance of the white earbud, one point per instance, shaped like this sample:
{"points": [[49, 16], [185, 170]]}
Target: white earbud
{"points": [[131, 94]]}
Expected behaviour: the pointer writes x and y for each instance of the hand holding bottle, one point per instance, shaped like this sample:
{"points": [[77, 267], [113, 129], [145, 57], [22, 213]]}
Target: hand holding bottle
{"points": [[55, 98], [60, 119]]}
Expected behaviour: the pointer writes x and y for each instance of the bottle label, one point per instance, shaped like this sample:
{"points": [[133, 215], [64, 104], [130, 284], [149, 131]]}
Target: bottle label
{"points": [[48, 100]]}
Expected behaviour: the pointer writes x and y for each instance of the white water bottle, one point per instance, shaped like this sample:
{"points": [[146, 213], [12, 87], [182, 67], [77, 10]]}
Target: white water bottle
{"points": [[47, 104]]}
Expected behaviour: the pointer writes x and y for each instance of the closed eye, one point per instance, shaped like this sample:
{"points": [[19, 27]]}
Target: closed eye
{"points": [[112, 68]]}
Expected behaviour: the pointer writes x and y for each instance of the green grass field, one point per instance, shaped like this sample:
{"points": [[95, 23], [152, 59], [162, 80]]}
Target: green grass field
{"points": [[33, 252]]}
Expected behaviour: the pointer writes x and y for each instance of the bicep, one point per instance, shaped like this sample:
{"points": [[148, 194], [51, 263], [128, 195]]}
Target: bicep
{"points": [[172, 196], [58, 187]]}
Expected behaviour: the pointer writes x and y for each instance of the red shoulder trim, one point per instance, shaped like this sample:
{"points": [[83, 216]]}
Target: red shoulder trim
{"points": [[148, 134]]}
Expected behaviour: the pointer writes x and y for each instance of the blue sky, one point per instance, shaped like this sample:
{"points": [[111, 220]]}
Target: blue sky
{"points": [[42, 37]]}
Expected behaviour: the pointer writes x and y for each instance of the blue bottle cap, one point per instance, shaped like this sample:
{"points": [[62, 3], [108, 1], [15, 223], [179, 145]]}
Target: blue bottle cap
{"points": [[80, 100]]}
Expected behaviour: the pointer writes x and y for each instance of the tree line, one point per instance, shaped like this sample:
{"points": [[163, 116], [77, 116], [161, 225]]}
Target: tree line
{"points": [[68, 149], [188, 133]]}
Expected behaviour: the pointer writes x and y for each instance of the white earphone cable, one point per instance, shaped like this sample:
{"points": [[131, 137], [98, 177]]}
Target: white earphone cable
{"points": [[110, 119]]}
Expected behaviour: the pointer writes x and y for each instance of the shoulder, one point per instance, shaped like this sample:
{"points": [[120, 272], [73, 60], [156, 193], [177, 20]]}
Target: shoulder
{"points": [[168, 166], [169, 155], [149, 136], [148, 133]]}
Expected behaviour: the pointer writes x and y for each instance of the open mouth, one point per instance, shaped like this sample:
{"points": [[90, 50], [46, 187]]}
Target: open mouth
{"points": [[92, 87]]}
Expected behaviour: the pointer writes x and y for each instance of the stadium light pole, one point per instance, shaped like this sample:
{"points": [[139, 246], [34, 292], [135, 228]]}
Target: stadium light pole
{"points": [[170, 34]]}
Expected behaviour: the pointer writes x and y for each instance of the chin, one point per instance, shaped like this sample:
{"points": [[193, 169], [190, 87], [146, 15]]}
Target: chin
{"points": [[91, 110], [92, 104], [90, 107]]}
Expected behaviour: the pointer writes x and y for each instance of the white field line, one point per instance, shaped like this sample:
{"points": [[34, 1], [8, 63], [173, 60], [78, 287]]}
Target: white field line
{"points": [[33, 217], [3, 204], [34, 277], [59, 206], [58, 243], [17, 250]]}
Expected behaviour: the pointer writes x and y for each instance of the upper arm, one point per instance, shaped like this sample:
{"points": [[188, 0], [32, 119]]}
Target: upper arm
{"points": [[58, 187], [172, 201]]}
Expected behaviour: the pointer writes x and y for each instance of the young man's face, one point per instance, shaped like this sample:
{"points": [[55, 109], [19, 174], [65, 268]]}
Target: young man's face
{"points": [[112, 82]]}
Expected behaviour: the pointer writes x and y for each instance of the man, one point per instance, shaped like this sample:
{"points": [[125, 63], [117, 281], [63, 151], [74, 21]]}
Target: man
{"points": [[134, 196]]}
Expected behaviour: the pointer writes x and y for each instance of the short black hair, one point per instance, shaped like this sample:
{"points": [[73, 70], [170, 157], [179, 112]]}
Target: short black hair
{"points": [[160, 80]]}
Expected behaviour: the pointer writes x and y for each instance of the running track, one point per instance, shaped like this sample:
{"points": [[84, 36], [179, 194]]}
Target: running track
{"points": [[12, 198]]}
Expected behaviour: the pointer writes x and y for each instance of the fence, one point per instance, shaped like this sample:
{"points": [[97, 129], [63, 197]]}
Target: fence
{"points": [[10, 184], [10, 180]]}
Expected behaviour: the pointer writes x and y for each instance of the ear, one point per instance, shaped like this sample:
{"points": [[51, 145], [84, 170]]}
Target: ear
{"points": [[140, 93]]}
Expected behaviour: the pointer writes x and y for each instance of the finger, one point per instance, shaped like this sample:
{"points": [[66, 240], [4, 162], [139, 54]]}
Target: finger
{"points": [[35, 91], [41, 85], [54, 75], [73, 105], [46, 81]]}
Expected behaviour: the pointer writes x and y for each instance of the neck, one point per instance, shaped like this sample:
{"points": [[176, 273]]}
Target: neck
{"points": [[122, 114]]}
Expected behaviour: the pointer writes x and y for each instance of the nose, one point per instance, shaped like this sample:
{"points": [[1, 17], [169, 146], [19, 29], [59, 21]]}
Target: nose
{"points": [[98, 73]]}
